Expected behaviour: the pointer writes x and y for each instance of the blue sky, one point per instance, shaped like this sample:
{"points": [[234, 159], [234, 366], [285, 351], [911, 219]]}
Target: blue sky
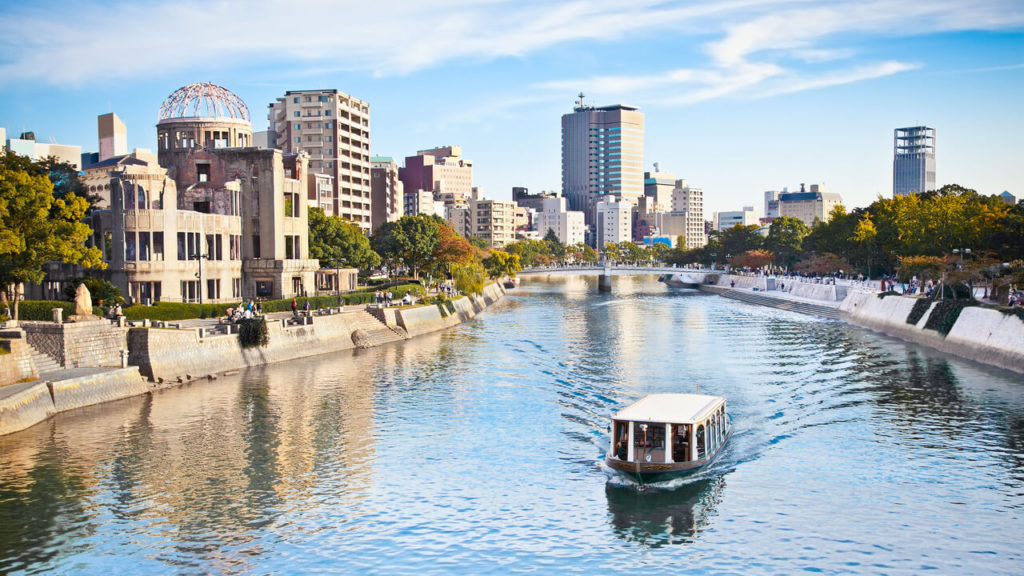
{"points": [[740, 97]]}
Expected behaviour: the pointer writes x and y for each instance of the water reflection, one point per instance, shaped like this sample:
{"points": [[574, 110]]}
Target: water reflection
{"points": [[656, 517]]}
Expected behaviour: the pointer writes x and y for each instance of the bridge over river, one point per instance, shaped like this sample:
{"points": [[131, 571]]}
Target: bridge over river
{"points": [[692, 276]]}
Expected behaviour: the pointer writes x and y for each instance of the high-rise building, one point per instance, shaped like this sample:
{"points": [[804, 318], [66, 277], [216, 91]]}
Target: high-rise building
{"points": [[690, 201], [387, 191], [602, 155], [913, 166], [333, 128], [492, 220]]}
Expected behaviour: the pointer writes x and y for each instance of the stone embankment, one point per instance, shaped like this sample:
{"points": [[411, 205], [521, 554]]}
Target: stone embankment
{"points": [[981, 334], [166, 355]]}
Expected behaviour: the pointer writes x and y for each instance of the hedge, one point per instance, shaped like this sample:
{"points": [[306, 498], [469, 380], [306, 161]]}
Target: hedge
{"points": [[42, 310], [253, 332], [917, 312], [169, 311]]}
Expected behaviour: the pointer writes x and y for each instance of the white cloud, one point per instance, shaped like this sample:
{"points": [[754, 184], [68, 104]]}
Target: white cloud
{"points": [[82, 42]]}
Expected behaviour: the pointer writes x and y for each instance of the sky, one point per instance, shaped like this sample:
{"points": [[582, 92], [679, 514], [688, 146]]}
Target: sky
{"points": [[739, 96]]}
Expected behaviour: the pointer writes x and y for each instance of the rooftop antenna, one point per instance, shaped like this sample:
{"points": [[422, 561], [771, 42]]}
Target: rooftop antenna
{"points": [[579, 102]]}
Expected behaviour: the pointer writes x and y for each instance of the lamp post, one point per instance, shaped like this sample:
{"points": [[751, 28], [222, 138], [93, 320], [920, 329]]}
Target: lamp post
{"points": [[961, 252], [199, 275]]}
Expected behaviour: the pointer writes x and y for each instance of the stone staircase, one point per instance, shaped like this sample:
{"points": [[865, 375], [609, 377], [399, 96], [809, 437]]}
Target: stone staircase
{"points": [[45, 364], [783, 304], [373, 331]]}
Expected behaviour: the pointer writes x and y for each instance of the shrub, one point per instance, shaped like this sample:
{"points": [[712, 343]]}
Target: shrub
{"points": [[169, 311], [944, 315], [253, 332], [917, 312], [42, 309], [887, 293], [285, 304]]}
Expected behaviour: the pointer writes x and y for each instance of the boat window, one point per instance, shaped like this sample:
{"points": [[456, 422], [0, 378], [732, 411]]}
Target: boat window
{"points": [[700, 440], [657, 436], [680, 442]]}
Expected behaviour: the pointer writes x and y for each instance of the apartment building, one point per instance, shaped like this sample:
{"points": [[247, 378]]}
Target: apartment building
{"points": [[809, 206], [568, 225], [333, 128], [614, 222], [493, 221], [386, 191]]}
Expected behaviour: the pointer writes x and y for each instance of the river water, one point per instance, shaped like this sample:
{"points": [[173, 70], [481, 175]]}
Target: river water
{"points": [[479, 450]]}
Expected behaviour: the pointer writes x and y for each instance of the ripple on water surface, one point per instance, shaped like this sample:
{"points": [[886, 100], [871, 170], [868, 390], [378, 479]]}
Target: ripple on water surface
{"points": [[479, 450]]}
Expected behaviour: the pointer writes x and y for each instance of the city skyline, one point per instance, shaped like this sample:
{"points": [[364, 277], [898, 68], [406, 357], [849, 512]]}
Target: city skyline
{"points": [[739, 97]]}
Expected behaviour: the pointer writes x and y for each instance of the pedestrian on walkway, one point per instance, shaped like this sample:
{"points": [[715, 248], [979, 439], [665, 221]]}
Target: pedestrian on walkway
{"points": [[295, 307]]}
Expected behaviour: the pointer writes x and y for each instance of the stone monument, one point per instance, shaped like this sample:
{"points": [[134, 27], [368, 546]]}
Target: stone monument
{"points": [[83, 306]]}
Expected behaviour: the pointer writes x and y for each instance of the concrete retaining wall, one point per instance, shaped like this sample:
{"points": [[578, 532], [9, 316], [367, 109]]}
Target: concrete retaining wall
{"points": [[24, 405], [17, 364], [980, 334], [827, 292], [181, 354], [762, 283], [97, 388]]}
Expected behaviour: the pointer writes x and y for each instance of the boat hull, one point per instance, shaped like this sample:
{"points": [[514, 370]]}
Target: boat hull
{"points": [[651, 472]]}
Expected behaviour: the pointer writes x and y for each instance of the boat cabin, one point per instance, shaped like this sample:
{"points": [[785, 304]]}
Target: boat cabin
{"points": [[682, 430]]}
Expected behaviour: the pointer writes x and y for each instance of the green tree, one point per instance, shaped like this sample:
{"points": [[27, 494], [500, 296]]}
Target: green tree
{"points": [[786, 237], [531, 252], [66, 180], [501, 263], [630, 252], [469, 278], [555, 246], [337, 243], [36, 228], [478, 242], [410, 240]]}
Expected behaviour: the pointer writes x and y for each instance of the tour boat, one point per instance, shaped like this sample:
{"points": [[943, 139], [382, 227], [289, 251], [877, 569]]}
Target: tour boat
{"points": [[662, 436]]}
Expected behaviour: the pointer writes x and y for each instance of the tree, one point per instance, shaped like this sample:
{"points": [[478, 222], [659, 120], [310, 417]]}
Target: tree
{"points": [[337, 243], [411, 240], [501, 263], [611, 252], [66, 180], [753, 259], [580, 252], [36, 228], [555, 246], [531, 252], [478, 242], [786, 237], [865, 234], [452, 250], [469, 278], [630, 252], [924, 267], [822, 264]]}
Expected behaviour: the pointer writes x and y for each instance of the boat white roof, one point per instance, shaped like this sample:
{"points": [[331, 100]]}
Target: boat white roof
{"points": [[673, 408]]}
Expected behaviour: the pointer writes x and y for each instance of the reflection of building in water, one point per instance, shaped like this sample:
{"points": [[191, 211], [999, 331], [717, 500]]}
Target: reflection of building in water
{"points": [[658, 517]]}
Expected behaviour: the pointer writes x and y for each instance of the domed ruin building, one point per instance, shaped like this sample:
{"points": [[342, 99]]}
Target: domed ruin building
{"points": [[209, 219]]}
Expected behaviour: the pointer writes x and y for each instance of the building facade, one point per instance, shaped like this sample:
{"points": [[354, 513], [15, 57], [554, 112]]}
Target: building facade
{"points": [[492, 221], [568, 225], [728, 219], [614, 222], [386, 191], [913, 166], [658, 186], [333, 129], [602, 155], [689, 201], [809, 206], [442, 171], [208, 218]]}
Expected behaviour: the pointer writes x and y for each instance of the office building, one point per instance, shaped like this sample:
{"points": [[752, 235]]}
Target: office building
{"points": [[26, 145], [809, 206], [602, 155], [386, 191], [441, 170], [728, 219], [771, 205], [333, 128], [613, 222], [913, 166]]}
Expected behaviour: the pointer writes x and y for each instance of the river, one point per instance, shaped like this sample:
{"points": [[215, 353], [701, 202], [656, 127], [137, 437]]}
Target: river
{"points": [[478, 451]]}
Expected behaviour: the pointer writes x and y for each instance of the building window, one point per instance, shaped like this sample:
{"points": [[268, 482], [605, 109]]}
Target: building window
{"points": [[234, 247], [213, 289], [324, 99], [295, 100], [236, 287], [291, 248], [256, 246], [264, 288], [297, 114], [202, 171], [298, 139], [158, 246], [189, 290], [327, 112], [144, 246], [129, 246]]}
